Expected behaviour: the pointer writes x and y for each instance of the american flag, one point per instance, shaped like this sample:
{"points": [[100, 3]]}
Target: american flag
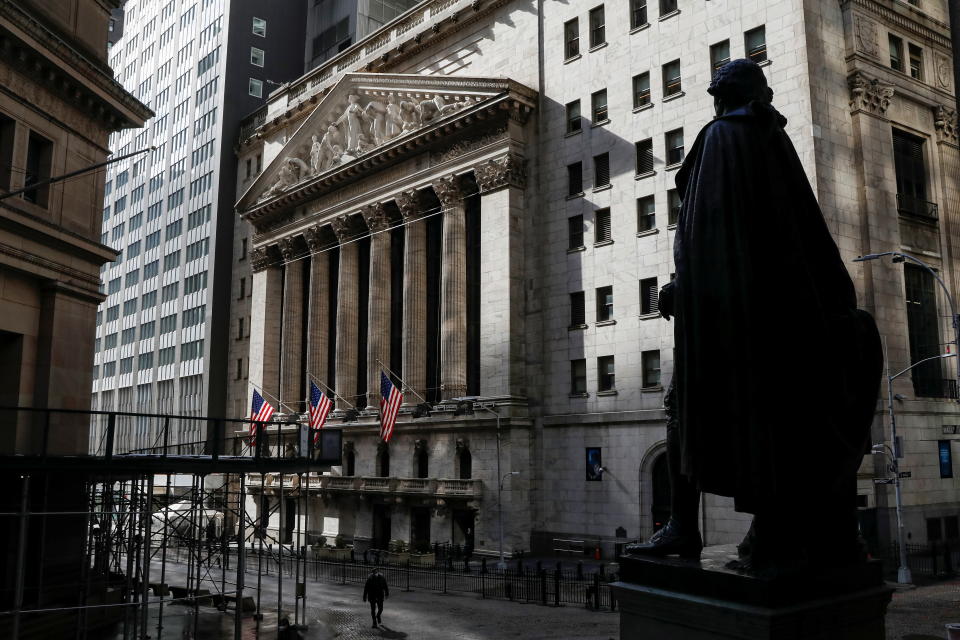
{"points": [[260, 411], [390, 399], [320, 406]]}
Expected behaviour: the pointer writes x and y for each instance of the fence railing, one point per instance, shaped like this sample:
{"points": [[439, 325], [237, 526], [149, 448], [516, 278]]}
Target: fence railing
{"points": [[935, 559], [916, 207]]}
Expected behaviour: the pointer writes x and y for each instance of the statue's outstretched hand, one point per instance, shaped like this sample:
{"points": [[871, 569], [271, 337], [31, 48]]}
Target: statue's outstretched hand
{"points": [[666, 301]]}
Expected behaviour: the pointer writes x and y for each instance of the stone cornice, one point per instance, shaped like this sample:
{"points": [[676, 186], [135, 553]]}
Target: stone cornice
{"points": [[94, 90], [922, 26], [54, 268], [869, 95]]}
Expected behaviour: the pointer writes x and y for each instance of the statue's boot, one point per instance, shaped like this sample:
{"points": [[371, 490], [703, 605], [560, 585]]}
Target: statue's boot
{"points": [[672, 539]]}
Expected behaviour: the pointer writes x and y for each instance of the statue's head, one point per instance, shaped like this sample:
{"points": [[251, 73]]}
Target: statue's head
{"points": [[314, 137], [737, 83]]}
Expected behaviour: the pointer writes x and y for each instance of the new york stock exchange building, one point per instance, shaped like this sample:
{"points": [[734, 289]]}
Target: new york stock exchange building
{"points": [[478, 201]]}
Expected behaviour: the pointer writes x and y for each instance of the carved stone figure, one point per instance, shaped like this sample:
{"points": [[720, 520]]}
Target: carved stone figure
{"points": [[316, 153], [292, 171], [353, 118], [394, 121], [756, 268], [409, 115], [376, 113], [430, 109]]}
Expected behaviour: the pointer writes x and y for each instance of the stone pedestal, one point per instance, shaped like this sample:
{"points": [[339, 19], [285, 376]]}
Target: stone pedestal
{"points": [[683, 600]]}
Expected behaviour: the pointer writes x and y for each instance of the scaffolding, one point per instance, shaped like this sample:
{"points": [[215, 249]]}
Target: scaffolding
{"points": [[115, 541]]}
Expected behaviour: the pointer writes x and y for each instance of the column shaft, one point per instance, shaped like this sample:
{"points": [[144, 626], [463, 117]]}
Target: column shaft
{"points": [[453, 294], [291, 374], [378, 306], [414, 298], [347, 317], [265, 325], [318, 334]]}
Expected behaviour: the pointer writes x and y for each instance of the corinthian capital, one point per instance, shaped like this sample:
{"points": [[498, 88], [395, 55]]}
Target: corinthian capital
{"points": [[448, 191], [410, 204], [500, 172], [263, 257], [343, 228], [867, 94], [375, 215]]}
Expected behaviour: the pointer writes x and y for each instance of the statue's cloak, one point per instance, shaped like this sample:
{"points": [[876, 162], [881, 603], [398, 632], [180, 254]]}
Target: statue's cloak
{"points": [[776, 370]]}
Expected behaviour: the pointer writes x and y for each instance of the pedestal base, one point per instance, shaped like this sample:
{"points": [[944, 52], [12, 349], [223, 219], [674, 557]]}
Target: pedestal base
{"points": [[683, 600]]}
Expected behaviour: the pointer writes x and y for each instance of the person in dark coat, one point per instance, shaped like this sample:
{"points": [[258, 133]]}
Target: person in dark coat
{"points": [[776, 370], [375, 590]]}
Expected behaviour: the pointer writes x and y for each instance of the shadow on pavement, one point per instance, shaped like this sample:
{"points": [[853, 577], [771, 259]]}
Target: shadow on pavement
{"points": [[386, 632]]}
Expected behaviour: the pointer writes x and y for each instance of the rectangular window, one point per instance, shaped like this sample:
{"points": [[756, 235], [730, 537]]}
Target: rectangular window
{"points": [[195, 283], [671, 78], [606, 379], [243, 249], [132, 278], [113, 286], [571, 38], [667, 6], [110, 341], [173, 230], [604, 304], [152, 241], [601, 170], [168, 324], [916, 61], [109, 369], [573, 117], [674, 145], [598, 29], [171, 261], [133, 250], [601, 220], [169, 292], [243, 289], [256, 56], [145, 361], [923, 331], [945, 456], [951, 527], [578, 377], [193, 317], [151, 269], [255, 88], [37, 169], [578, 313], [239, 328], [130, 307], [599, 102], [147, 300], [239, 368], [167, 356], [673, 206], [575, 178], [8, 128], [148, 329], [644, 156], [896, 52], [646, 214], [909, 166], [649, 296], [650, 363], [638, 13], [128, 335], [755, 44], [719, 55], [260, 27], [641, 90], [575, 232]]}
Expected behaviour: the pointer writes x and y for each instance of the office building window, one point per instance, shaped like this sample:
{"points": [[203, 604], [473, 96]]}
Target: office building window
{"points": [[638, 13], [667, 6], [673, 206], [243, 289], [578, 313], [674, 145], [240, 328], [145, 361], [909, 166], [255, 89], [755, 44], [571, 38], [601, 170], [671, 79], [130, 307], [573, 116], [646, 214], [896, 52], [649, 296], [945, 457], [641, 90], [260, 27], [644, 156], [916, 61], [599, 102], [604, 304], [601, 221], [923, 332], [578, 377], [169, 292], [575, 232], [650, 364], [575, 178], [243, 249], [606, 378], [719, 55], [148, 329], [168, 324], [598, 29]]}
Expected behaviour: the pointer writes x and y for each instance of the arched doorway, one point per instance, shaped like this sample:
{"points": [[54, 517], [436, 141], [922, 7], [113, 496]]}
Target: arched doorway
{"points": [[660, 504]]}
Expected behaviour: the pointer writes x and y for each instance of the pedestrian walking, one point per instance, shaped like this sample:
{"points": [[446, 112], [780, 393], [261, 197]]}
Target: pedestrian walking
{"points": [[375, 590]]}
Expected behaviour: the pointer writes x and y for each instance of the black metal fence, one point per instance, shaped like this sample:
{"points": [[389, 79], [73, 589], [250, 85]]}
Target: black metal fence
{"points": [[935, 559], [553, 586]]}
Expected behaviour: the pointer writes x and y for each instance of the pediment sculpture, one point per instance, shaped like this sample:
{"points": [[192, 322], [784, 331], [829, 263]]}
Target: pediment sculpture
{"points": [[363, 124]]}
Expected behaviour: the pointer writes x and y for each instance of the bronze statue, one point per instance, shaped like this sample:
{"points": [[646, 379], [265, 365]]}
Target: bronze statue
{"points": [[776, 370]]}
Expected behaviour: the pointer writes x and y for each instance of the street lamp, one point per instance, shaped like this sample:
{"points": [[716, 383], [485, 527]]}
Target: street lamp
{"points": [[502, 564], [903, 572]]}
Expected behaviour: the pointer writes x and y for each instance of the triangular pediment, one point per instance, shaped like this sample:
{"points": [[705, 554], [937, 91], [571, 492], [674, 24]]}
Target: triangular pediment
{"points": [[362, 114]]}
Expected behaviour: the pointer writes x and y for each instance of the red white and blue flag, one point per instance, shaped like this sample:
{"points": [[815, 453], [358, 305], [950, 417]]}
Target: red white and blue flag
{"points": [[260, 411], [390, 399], [320, 406]]}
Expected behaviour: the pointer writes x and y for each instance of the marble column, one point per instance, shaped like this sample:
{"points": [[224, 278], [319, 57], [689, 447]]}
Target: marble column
{"points": [[291, 392], [453, 289], [378, 307], [348, 309], [318, 330], [265, 322], [414, 296]]}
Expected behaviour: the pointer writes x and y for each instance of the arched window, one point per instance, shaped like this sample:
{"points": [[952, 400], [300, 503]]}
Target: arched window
{"points": [[466, 464]]}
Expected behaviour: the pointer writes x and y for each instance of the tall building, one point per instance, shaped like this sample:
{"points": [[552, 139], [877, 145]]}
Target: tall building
{"points": [[479, 198], [335, 25], [161, 342]]}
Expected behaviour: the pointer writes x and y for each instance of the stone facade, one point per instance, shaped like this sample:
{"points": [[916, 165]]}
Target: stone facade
{"points": [[493, 229]]}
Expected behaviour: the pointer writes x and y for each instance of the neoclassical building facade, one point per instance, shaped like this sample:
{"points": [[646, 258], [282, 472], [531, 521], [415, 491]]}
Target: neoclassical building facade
{"points": [[478, 199]]}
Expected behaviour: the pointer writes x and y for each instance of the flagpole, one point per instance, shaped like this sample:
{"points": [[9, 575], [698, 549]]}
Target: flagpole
{"points": [[336, 396], [265, 393], [402, 383]]}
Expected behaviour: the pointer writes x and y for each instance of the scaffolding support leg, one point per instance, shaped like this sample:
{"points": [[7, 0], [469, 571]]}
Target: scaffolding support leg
{"points": [[21, 555]]}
